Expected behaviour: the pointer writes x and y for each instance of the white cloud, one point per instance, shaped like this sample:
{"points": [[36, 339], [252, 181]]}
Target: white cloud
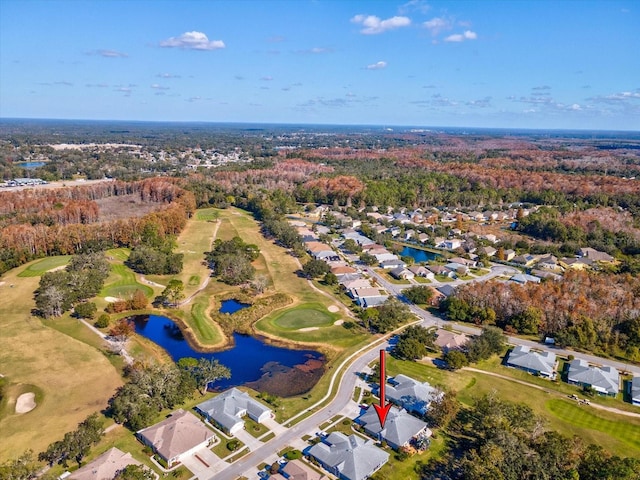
{"points": [[461, 37], [167, 75], [377, 66], [419, 5], [374, 25], [192, 41], [112, 54], [266, 78], [437, 25], [155, 86]]}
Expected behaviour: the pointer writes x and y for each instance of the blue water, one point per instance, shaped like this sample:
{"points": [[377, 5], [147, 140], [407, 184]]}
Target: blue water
{"points": [[232, 306], [247, 358], [30, 165], [418, 255]]}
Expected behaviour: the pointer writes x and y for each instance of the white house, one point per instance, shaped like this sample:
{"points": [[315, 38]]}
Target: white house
{"points": [[228, 409]]}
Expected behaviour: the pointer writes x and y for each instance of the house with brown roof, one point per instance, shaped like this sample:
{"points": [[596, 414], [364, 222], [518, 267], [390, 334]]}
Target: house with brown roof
{"points": [[595, 255], [297, 470], [343, 270], [448, 340], [106, 466], [177, 437]]}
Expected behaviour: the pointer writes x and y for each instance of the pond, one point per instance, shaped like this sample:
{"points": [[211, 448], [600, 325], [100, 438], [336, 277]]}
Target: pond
{"points": [[266, 368], [232, 306], [418, 255], [30, 165]]}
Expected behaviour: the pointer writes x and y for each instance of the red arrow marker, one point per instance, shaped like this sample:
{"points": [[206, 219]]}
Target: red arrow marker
{"points": [[382, 410]]}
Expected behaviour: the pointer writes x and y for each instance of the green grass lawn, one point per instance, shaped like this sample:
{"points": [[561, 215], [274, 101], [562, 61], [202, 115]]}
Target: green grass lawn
{"points": [[42, 266], [71, 379], [254, 428], [422, 280], [443, 278], [122, 282], [305, 316], [221, 449], [405, 469], [626, 432], [206, 214]]}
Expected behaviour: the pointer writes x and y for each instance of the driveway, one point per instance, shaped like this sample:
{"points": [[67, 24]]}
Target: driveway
{"points": [[249, 440], [203, 463], [274, 426]]}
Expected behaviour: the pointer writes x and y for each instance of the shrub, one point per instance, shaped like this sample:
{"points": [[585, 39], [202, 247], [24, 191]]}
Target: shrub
{"points": [[103, 321], [86, 310]]}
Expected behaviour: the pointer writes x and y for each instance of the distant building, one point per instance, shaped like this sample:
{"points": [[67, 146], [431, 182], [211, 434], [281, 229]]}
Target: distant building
{"points": [[634, 391], [410, 394], [447, 340]]}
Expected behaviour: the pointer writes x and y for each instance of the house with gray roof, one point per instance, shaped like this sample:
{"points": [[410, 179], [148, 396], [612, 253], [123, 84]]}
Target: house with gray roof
{"points": [[634, 390], [348, 458], [227, 409], [410, 394], [604, 380], [523, 278], [538, 363], [176, 437], [106, 466], [399, 428]]}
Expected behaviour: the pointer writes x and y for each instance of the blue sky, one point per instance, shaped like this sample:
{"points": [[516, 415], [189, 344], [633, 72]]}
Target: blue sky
{"points": [[522, 64]]}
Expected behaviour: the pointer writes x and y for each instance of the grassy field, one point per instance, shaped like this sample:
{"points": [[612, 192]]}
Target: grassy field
{"points": [[610, 430], [71, 379], [305, 316], [40, 267], [405, 469], [195, 239], [122, 282]]}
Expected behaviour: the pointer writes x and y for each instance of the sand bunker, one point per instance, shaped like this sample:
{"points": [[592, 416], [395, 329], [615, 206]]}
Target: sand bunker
{"points": [[338, 322], [26, 402], [2, 283], [111, 299], [308, 329], [333, 308], [56, 269]]}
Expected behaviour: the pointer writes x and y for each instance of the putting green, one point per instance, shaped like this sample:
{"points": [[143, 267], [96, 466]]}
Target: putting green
{"points": [[44, 265], [304, 318]]}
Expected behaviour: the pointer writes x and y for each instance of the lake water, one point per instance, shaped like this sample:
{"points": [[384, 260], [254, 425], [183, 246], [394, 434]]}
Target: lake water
{"points": [[30, 165], [254, 363], [232, 306], [418, 255]]}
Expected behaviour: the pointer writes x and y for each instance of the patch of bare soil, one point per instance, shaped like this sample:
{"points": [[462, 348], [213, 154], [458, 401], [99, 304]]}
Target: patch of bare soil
{"points": [[125, 206]]}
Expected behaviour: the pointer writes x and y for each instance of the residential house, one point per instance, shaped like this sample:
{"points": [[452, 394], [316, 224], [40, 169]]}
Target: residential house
{"points": [[413, 396], [523, 278], [452, 243], [228, 409], [476, 216], [490, 237], [440, 270], [634, 391], [446, 290], [538, 363], [399, 429], [527, 259], [106, 466], [354, 283], [402, 273], [321, 251], [348, 458], [604, 380], [509, 255], [448, 340], [546, 274], [464, 261], [340, 271], [420, 271], [409, 234], [297, 470], [436, 298], [369, 302], [457, 268], [595, 255], [423, 237], [549, 262], [395, 231], [392, 263], [176, 437], [384, 255], [488, 251], [582, 263]]}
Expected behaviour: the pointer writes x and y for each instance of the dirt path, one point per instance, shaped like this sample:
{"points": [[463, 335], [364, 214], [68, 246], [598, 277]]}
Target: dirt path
{"points": [[142, 279], [207, 279], [121, 347], [553, 392]]}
